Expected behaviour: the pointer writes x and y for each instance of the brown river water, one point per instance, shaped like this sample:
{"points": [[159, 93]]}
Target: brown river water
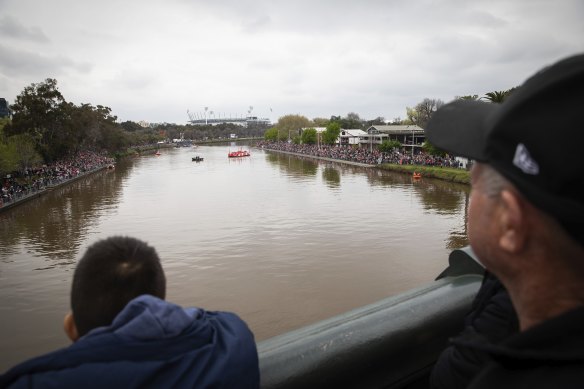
{"points": [[280, 240]]}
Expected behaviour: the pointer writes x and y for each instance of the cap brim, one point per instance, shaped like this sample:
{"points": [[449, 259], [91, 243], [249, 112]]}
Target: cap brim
{"points": [[460, 128]]}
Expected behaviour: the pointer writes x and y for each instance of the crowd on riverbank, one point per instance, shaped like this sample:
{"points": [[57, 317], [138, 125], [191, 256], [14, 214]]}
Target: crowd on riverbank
{"points": [[363, 154], [32, 180]]}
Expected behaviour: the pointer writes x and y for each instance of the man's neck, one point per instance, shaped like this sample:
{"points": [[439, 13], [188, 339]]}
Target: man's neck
{"points": [[539, 299]]}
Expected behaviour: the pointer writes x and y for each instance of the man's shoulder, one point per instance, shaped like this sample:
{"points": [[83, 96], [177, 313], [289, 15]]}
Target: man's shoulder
{"points": [[549, 355]]}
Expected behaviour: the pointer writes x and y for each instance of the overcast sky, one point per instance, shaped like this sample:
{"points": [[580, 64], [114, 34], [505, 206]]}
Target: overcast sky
{"points": [[154, 61]]}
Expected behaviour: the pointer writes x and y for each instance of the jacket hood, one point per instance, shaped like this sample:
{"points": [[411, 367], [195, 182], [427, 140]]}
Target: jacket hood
{"points": [[147, 317]]}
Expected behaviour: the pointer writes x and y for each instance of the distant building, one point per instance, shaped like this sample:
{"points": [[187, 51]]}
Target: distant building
{"points": [[408, 135], [350, 137], [5, 111]]}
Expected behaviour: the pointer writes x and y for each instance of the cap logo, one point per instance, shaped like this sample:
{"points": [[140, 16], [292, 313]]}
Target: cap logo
{"points": [[523, 160]]}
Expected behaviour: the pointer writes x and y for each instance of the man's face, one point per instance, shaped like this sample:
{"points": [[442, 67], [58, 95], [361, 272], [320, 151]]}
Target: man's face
{"points": [[482, 230]]}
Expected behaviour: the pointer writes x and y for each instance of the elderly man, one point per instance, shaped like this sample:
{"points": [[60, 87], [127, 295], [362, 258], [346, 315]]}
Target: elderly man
{"points": [[526, 220]]}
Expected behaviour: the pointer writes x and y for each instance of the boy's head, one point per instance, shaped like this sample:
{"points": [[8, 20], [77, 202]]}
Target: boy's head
{"points": [[112, 272]]}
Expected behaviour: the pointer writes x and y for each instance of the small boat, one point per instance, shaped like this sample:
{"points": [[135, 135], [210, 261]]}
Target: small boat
{"points": [[197, 158], [417, 175], [157, 153], [111, 166], [238, 154]]}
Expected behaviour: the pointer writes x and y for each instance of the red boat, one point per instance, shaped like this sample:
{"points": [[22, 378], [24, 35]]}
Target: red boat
{"points": [[238, 154]]}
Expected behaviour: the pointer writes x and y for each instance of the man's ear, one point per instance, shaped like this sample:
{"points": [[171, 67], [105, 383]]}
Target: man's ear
{"points": [[70, 327], [512, 221]]}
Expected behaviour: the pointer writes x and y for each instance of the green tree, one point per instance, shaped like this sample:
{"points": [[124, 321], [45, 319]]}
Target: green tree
{"points": [[331, 134], [290, 125], [24, 147], [308, 136], [498, 96], [40, 111], [389, 145], [433, 150], [378, 121], [352, 120], [131, 126], [468, 97], [8, 159], [321, 122], [495, 96], [271, 134]]}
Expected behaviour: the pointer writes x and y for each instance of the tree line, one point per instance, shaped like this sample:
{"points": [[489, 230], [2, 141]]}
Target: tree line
{"points": [[45, 127], [290, 127]]}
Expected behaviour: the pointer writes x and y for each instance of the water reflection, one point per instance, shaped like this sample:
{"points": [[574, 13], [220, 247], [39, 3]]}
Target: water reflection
{"points": [[439, 196], [55, 224], [331, 176], [293, 166]]}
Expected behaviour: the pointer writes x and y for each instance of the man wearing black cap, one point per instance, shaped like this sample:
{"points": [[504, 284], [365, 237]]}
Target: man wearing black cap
{"points": [[526, 220]]}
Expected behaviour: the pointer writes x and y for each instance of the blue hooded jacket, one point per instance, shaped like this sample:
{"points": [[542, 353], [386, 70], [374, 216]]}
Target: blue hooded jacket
{"points": [[151, 343]]}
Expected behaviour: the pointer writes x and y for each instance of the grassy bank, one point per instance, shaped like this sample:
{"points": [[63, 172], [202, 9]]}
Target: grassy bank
{"points": [[444, 173]]}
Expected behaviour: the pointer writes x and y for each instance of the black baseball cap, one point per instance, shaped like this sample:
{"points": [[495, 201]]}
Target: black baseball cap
{"points": [[535, 139]]}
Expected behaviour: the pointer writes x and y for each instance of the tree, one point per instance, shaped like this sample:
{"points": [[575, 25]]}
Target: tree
{"points": [[495, 97], [389, 145], [433, 150], [352, 120], [8, 153], [378, 121], [290, 125], [271, 134], [308, 136], [321, 122], [24, 147], [331, 134], [131, 126], [498, 96], [420, 115], [468, 97], [40, 111]]}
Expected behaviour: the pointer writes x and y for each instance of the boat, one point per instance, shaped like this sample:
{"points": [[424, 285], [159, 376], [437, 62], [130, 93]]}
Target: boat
{"points": [[238, 154], [157, 153], [197, 158], [417, 175]]}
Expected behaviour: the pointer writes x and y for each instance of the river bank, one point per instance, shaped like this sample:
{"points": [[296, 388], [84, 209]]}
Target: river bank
{"points": [[53, 185], [460, 176], [456, 175], [321, 158]]}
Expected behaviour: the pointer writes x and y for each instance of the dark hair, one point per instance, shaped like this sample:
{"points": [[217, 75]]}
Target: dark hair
{"points": [[112, 272]]}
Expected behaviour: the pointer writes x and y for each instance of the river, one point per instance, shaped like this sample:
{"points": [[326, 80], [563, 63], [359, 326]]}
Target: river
{"points": [[280, 240]]}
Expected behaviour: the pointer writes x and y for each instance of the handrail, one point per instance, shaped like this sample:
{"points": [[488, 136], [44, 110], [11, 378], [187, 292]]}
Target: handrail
{"points": [[392, 343]]}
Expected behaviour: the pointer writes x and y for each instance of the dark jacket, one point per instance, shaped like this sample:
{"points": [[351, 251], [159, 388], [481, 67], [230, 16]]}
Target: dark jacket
{"points": [[549, 355], [492, 318], [151, 343]]}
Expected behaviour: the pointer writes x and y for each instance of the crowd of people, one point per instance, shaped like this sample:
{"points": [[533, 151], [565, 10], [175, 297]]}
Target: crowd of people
{"points": [[363, 154], [32, 180]]}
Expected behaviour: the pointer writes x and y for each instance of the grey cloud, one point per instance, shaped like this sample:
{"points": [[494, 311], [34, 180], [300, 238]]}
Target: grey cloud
{"points": [[15, 62], [10, 27], [257, 24]]}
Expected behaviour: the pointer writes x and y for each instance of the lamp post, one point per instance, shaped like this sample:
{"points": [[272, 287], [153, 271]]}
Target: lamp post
{"points": [[413, 141]]}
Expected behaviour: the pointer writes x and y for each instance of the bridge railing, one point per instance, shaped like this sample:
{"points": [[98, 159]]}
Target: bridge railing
{"points": [[389, 344]]}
